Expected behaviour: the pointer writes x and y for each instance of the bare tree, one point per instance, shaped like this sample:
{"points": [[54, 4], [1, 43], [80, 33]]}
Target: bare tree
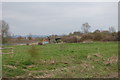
{"points": [[5, 34], [85, 27], [19, 38], [30, 37], [111, 29]]}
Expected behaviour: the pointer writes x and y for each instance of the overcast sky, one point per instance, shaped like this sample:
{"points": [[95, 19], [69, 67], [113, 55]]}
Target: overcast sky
{"points": [[58, 18]]}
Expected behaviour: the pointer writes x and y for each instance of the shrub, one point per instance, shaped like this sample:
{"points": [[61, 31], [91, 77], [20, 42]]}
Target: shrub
{"points": [[33, 52], [97, 37], [71, 39], [110, 38], [107, 38], [119, 36], [86, 37], [40, 43], [27, 44]]}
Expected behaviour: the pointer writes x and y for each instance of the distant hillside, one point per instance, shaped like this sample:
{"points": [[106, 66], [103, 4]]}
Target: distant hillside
{"points": [[34, 36]]}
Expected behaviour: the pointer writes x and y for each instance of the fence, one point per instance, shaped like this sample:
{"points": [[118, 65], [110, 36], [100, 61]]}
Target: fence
{"points": [[4, 50]]}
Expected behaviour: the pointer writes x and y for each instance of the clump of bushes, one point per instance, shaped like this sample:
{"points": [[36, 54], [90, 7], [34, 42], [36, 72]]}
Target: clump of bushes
{"points": [[93, 36], [40, 43], [86, 37], [70, 39], [109, 38], [33, 52], [97, 37], [118, 36]]}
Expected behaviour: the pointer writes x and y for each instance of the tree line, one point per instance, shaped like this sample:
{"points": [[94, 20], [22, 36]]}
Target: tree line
{"points": [[74, 37]]}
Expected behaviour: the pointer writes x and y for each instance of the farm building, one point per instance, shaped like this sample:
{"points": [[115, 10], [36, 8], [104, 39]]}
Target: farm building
{"points": [[45, 41]]}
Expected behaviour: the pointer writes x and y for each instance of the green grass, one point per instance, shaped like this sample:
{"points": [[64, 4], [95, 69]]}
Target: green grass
{"points": [[62, 60]]}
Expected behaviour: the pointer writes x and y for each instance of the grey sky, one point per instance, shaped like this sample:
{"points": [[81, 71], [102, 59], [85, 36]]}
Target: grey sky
{"points": [[58, 18]]}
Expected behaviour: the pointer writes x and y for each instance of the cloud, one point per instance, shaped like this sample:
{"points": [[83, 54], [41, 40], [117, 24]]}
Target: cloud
{"points": [[58, 18], [60, 0], [0, 11]]}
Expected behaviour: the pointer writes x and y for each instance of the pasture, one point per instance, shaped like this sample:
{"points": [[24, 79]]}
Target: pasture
{"points": [[69, 60]]}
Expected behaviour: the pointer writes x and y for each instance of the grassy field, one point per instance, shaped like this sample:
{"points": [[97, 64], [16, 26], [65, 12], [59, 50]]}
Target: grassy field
{"points": [[73, 60]]}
